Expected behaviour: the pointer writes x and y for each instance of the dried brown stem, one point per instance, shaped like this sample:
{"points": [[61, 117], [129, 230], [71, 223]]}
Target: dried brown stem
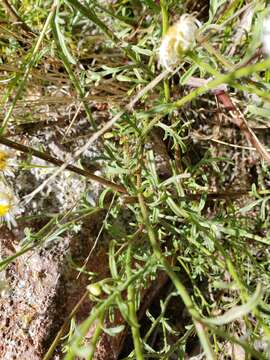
{"points": [[228, 195], [236, 117], [58, 162], [239, 120]]}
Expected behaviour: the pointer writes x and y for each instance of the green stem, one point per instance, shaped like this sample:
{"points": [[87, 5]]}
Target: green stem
{"points": [[98, 311], [218, 80], [201, 330], [96, 335], [61, 332], [222, 79], [164, 14], [132, 309], [249, 87]]}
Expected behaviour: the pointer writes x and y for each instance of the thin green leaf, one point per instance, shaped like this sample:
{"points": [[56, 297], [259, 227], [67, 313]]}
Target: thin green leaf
{"points": [[60, 38], [238, 311], [86, 11], [113, 331]]}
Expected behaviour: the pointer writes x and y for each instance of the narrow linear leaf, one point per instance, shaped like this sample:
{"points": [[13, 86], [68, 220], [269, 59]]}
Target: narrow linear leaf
{"points": [[237, 311], [70, 72], [113, 331], [87, 12], [59, 37]]}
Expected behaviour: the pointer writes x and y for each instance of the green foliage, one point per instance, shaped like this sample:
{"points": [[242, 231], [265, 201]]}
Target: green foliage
{"points": [[192, 209]]}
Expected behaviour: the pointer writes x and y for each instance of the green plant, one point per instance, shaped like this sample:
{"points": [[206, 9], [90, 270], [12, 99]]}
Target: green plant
{"points": [[175, 157]]}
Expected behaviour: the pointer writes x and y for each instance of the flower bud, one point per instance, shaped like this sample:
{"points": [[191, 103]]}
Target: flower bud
{"points": [[94, 289]]}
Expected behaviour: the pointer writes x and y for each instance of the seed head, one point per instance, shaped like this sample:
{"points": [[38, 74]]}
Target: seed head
{"points": [[180, 38]]}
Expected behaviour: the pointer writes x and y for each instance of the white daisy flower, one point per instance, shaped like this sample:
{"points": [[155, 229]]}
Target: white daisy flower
{"points": [[180, 38], [7, 206]]}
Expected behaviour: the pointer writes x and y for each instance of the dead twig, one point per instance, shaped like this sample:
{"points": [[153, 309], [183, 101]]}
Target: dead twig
{"points": [[236, 117], [30, 151], [239, 120]]}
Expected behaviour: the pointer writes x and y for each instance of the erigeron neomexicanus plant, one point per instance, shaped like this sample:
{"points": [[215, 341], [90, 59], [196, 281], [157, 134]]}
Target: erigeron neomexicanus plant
{"points": [[183, 221]]}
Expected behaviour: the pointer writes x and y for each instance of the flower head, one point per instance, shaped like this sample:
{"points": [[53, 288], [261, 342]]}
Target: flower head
{"points": [[7, 205], [179, 39]]}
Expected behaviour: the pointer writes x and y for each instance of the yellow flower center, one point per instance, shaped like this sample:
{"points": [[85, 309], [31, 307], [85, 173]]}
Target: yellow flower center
{"points": [[4, 209]]}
